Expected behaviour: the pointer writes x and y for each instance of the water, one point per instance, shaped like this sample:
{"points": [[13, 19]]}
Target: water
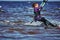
{"points": [[16, 13]]}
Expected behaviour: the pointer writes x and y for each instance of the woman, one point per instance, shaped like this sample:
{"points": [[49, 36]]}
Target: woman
{"points": [[37, 10]]}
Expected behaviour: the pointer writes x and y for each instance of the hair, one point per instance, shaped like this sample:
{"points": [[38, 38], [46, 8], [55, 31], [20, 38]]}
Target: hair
{"points": [[33, 5]]}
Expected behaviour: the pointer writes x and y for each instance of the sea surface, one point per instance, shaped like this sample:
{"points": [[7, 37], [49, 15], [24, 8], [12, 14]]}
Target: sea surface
{"points": [[15, 13]]}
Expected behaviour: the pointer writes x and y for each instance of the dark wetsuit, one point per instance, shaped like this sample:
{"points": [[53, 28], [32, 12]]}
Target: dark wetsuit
{"points": [[37, 13], [38, 17]]}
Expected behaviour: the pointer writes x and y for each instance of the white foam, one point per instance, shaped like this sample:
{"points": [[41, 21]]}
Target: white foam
{"points": [[33, 23], [0, 6]]}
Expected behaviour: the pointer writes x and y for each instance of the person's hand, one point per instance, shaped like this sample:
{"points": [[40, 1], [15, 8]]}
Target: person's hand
{"points": [[45, 0]]}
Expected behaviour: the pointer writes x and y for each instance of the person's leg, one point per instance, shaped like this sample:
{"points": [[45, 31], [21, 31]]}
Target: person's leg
{"points": [[43, 20], [51, 24], [46, 22], [34, 19]]}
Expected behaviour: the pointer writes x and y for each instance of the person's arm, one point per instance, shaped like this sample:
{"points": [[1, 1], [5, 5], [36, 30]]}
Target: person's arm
{"points": [[43, 3]]}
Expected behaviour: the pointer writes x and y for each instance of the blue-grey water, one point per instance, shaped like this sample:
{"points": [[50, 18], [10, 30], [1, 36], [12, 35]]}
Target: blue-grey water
{"points": [[16, 13]]}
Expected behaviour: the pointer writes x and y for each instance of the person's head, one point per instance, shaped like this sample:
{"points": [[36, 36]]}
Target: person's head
{"points": [[35, 5]]}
